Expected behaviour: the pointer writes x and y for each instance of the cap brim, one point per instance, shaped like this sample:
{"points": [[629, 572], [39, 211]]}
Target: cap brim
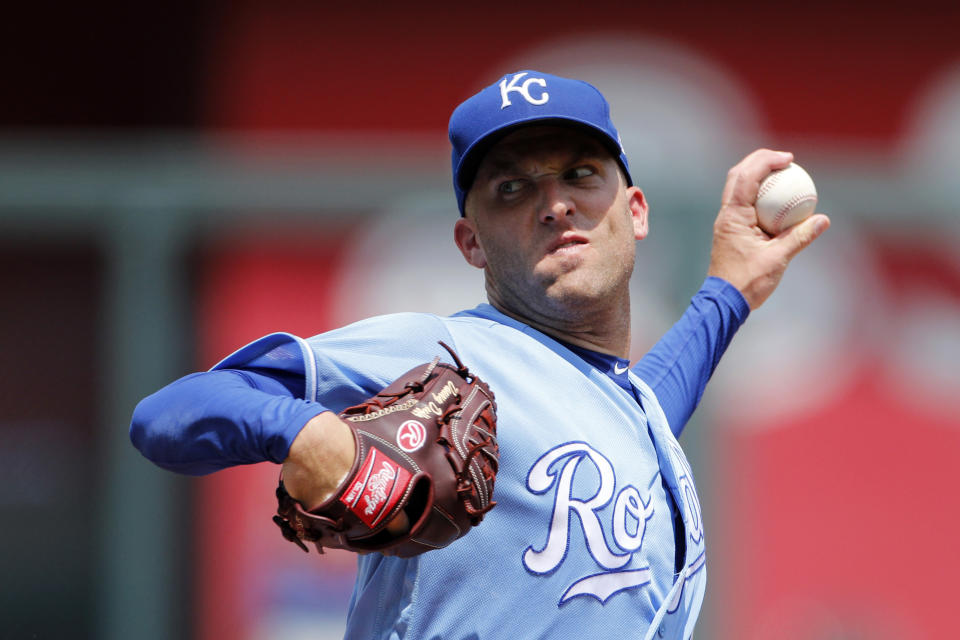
{"points": [[473, 156]]}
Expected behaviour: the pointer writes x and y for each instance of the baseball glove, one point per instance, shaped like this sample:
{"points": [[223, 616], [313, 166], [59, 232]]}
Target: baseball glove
{"points": [[426, 445]]}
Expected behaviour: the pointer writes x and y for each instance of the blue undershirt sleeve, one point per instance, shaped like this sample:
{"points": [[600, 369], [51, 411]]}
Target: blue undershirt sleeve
{"points": [[255, 402], [678, 367], [207, 421]]}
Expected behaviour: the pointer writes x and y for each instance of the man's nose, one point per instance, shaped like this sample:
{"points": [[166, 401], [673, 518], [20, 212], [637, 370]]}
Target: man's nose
{"points": [[556, 201]]}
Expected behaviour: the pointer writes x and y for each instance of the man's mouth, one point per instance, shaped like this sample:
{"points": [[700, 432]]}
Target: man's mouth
{"points": [[565, 244]]}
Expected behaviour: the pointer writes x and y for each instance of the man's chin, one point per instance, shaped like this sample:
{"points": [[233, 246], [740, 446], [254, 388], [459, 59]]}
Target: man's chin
{"points": [[582, 288], [574, 296]]}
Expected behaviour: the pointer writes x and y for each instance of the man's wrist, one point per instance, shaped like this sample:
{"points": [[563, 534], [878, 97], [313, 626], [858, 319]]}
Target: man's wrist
{"points": [[723, 290], [320, 459]]}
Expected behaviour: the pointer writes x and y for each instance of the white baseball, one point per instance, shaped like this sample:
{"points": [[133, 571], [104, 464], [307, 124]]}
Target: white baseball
{"points": [[786, 197]]}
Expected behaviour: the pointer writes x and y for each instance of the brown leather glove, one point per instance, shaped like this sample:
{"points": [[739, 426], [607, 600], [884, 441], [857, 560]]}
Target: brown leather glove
{"points": [[426, 445]]}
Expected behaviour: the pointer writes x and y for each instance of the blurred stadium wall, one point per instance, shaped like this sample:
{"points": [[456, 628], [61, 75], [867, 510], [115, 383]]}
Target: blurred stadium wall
{"points": [[176, 182]]}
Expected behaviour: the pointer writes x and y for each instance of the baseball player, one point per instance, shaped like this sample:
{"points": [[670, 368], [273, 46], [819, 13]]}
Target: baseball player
{"points": [[597, 530]]}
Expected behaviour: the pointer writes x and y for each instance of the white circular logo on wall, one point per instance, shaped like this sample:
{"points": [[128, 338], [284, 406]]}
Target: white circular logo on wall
{"points": [[411, 435]]}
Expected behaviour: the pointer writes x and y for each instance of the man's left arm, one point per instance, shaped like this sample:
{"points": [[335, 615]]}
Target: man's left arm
{"points": [[679, 365], [746, 265]]}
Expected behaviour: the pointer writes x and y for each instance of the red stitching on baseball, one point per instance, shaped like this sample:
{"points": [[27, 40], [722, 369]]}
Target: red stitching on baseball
{"points": [[772, 179], [790, 204]]}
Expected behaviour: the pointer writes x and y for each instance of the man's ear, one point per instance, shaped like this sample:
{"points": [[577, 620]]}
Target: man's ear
{"points": [[465, 235], [640, 210]]}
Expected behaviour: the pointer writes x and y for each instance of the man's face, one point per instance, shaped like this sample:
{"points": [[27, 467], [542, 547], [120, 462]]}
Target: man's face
{"points": [[553, 224]]}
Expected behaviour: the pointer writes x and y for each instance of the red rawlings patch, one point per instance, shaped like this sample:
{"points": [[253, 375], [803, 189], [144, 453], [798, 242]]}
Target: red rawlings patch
{"points": [[376, 489], [411, 435]]}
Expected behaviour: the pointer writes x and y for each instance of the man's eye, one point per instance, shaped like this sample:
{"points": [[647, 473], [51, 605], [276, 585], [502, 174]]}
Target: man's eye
{"points": [[580, 172], [510, 186]]}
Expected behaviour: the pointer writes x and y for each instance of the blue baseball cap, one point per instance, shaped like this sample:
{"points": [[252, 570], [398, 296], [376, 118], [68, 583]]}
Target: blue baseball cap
{"points": [[520, 99]]}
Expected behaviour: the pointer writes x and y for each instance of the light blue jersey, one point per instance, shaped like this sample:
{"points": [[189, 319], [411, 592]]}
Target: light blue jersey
{"points": [[597, 530], [581, 543]]}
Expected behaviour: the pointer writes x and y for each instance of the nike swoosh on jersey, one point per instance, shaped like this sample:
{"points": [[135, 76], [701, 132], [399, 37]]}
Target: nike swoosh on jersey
{"points": [[617, 370]]}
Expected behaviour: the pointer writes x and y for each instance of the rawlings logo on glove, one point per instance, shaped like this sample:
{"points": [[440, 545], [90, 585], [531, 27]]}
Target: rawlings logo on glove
{"points": [[367, 498], [426, 446]]}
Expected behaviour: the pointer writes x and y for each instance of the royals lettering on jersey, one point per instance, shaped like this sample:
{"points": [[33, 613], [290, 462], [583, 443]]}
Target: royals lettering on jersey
{"points": [[688, 493], [556, 471], [514, 85]]}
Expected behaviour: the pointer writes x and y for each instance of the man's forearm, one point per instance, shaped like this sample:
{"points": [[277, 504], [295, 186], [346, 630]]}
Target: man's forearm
{"points": [[212, 420]]}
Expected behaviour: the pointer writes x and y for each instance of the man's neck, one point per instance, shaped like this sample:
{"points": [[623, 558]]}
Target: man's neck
{"points": [[603, 332]]}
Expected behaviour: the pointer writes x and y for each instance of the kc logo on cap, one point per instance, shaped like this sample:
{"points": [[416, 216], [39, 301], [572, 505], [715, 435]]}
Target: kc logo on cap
{"points": [[523, 89]]}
